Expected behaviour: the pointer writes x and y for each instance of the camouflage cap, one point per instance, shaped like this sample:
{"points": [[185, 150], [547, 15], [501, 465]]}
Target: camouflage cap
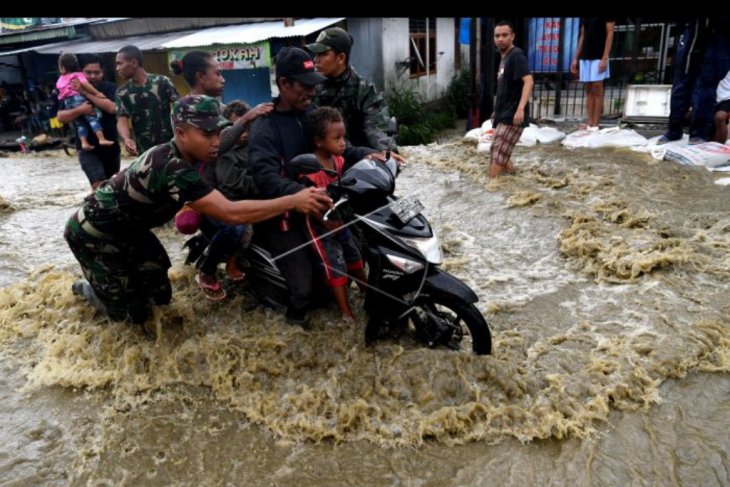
{"points": [[333, 38], [201, 111]]}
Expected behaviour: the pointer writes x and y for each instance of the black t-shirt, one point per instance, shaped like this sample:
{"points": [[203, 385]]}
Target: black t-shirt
{"points": [[594, 37], [512, 68], [108, 120]]}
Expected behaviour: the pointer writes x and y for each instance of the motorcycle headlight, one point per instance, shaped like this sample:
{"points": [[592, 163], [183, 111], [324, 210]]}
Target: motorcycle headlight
{"points": [[429, 247], [406, 265]]}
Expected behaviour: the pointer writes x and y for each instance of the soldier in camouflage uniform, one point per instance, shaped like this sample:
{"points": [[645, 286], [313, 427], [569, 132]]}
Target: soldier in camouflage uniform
{"points": [[364, 109], [124, 263], [146, 100]]}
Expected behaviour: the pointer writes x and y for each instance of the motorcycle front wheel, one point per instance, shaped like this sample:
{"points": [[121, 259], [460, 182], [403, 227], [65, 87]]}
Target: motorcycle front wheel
{"points": [[442, 320]]}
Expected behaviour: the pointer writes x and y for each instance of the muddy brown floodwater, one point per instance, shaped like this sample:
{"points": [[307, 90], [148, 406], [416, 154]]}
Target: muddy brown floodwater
{"points": [[604, 276]]}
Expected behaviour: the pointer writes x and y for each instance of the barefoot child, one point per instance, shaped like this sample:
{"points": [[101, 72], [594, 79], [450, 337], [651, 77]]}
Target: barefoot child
{"points": [[340, 256], [71, 84]]}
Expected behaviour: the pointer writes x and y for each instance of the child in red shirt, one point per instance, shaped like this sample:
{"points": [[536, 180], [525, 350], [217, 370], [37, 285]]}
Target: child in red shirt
{"points": [[339, 255]]}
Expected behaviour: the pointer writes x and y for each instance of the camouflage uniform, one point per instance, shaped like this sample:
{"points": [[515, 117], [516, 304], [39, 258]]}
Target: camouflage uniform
{"points": [[110, 235], [364, 109], [148, 107]]}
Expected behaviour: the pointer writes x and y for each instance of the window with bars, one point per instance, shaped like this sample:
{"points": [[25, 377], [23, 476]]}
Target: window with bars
{"points": [[423, 45]]}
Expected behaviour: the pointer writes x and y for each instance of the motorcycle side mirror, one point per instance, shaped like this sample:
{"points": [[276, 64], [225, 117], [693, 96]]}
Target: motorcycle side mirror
{"points": [[392, 127], [305, 164], [391, 130]]}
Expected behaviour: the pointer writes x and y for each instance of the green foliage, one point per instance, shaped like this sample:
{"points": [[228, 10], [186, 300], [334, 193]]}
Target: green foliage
{"points": [[406, 105], [416, 134], [442, 120], [416, 123], [618, 104], [458, 93]]}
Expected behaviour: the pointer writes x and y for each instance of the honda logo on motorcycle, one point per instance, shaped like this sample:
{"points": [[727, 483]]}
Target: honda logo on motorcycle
{"points": [[394, 275]]}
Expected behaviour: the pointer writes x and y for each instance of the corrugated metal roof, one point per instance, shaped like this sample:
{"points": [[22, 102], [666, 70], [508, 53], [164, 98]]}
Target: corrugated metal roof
{"points": [[250, 33], [142, 26], [67, 22], [38, 35], [144, 43], [66, 30]]}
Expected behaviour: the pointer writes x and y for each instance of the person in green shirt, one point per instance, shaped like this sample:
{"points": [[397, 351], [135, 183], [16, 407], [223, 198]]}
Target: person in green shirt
{"points": [[361, 105], [145, 100]]}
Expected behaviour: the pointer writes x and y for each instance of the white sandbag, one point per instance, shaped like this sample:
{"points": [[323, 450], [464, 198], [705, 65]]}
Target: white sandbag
{"points": [[709, 154], [609, 137], [473, 135], [529, 136], [540, 135], [657, 151], [577, 139], [485, 140], [486, 136], [723, 181], [548, 135]]}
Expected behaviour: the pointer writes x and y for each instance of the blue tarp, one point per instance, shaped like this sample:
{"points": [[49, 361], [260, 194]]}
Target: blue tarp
{"points": [[544, 43], [464, 30]]}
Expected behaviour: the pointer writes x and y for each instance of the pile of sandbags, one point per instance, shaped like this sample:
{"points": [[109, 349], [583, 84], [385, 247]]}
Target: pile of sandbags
{"points": [[532, 135], [709, 154], [608, 137]]}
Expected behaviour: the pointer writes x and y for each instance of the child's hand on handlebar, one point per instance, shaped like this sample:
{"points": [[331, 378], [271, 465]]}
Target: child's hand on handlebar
{"points": [[399, 159], [381, 156], [377, 156]]}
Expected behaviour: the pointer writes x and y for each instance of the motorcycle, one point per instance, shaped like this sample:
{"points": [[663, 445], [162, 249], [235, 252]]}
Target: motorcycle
{"points": [[407, 290], [405, 283]]}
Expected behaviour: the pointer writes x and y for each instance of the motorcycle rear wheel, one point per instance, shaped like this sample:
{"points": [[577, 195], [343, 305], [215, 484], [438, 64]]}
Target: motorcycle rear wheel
{"points": [[456, 313]]}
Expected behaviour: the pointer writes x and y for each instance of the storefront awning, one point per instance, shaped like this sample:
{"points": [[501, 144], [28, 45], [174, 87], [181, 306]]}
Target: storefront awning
{"points": [[144, 43], [231, 34], [251, 33], [42, 32]]}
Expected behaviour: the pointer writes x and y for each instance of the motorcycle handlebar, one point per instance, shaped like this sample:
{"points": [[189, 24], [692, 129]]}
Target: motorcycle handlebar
{"points": [[339, 203]]}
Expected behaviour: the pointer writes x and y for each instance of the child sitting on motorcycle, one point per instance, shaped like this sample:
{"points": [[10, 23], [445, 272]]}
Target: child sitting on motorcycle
{"points": [[232, 177], [332, 242], [229, 175]]}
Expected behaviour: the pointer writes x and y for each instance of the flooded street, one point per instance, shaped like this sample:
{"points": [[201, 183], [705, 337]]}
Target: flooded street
{"points": [[604, 276]]}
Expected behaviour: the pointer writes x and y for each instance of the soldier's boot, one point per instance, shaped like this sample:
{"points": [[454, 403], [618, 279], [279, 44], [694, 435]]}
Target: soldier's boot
{"points": [[83, 288]]}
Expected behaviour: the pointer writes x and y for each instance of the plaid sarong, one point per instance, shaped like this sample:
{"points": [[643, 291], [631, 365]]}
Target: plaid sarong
{"points": [[504, 141]]}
